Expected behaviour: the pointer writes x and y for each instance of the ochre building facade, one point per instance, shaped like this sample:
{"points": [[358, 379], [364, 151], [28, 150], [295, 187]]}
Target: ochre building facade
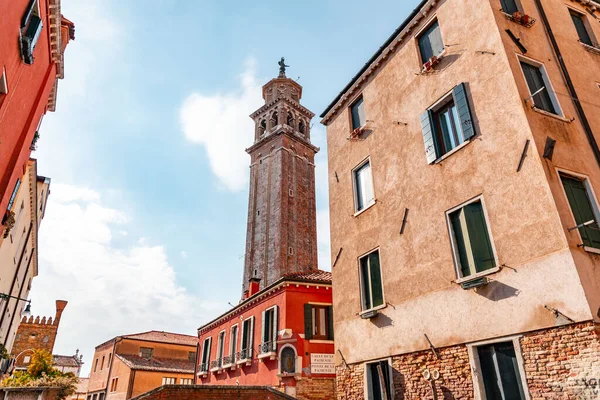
{"points": [[464, 174]]}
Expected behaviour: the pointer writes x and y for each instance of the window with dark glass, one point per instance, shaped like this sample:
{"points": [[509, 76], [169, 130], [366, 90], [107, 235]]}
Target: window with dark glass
{"points": [[471, 240], [233, 338], [371, 284], [247, 339], [538, 87], [581, 205], [379, 382], [205, 354], [509, 6], [288, 361], [430, 42], [582, 29], [146, 352], [500, 371], [448, 124], [31, 28], [220, 348], [357, 110], [318, 322], [269, 330], [191, 356], [363, 186]]}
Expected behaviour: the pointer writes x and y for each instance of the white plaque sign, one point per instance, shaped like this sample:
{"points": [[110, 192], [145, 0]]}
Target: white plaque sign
{"points": [[322, 364]]}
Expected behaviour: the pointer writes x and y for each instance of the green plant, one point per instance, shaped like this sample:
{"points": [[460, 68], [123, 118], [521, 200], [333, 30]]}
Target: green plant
{"points": [[4, 353]]}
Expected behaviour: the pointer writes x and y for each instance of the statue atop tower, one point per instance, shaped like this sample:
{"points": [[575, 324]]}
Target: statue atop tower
{"points": [[281, 234]]}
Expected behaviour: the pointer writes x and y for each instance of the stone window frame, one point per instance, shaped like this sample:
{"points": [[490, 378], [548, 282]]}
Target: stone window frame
{"points": [[560, 112], [432, 20], [298, 368], [366, 377], [478, 385], [592, 196], [586, 22], [455, 257], [360, 282], [362, 163]]}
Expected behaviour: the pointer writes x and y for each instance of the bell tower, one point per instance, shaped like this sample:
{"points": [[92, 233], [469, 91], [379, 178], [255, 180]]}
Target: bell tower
{"points": [[281, 235]]}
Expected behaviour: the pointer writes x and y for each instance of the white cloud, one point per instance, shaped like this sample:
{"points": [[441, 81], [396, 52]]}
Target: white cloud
{"points": [[184, 254], [220, 123], [111, 289]]}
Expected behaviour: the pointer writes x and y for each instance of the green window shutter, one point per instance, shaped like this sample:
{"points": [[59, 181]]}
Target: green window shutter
{"points": [[365, 287], [467, 125], [431, 146], [376, 283], [308, 331], [535, 81], [582, 31], [582, 210], [479, 237], [330, 322], [459, 238]]}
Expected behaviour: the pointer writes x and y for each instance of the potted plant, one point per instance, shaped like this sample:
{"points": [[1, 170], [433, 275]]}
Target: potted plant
{"points": [[525, 19], [517, 16], [8, 222]]}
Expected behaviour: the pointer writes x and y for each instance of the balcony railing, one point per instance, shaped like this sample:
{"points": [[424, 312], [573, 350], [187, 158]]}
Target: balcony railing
{"points": [[203, 367], [267, 347], [243, 355], [229, 360], [216, 364]]}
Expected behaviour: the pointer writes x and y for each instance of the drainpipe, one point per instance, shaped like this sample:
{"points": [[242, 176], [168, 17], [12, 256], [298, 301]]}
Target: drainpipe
{"points": [[584, 121]]}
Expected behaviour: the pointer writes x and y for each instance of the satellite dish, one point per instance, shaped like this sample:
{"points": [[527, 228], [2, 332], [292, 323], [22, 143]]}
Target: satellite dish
{"points": [[427, 374]]}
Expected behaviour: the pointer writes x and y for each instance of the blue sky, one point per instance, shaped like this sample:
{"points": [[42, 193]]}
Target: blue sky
{"points": [[145, 227]]}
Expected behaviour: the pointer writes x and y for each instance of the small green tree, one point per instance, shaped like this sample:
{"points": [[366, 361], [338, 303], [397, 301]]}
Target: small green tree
{"points": [[41, 363]]}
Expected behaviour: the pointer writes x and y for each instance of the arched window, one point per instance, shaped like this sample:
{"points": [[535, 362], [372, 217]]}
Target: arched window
{"points": [[274, 118], [290, 120], [301, 127], [288, 360], [263, 127]]}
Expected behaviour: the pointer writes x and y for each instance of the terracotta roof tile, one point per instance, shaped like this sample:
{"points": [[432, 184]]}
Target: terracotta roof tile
{"points": [[82, 385], [318, 275], [157, 364], [165, 337], [65, 361]]}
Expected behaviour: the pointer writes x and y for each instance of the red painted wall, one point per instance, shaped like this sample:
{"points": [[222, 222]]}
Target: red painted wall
{"points": [[29, 87], [290, 301]]}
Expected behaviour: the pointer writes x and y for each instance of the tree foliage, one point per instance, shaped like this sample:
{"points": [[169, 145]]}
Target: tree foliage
{"points": [[41, 373]]}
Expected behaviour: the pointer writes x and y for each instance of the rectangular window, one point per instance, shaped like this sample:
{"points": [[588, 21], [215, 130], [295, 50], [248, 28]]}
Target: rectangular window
{"points": [[146, 352], [584, 210], [539, 87], [205, 354], [269, 330], [186, 381], [448, 124], [96, 365], [470, 238], [169, 381], [220, 347], [379, 382], [113, 384], [364, 195], [233, 338], [102, 364], [500, 371], [13, 196], [357, 111], [247, 339], [430, 42], [31, 28], [509, 6], [3, 83], [318, 322], [371, 284], [581, 27], [191, 356]]}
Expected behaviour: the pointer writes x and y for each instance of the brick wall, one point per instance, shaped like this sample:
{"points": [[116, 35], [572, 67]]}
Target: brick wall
{"points": [[316, 389], [559, 363], [188, 392]]}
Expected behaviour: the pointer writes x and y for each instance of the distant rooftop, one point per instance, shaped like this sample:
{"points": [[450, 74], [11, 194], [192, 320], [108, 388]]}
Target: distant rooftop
{"points": [[318, 275], [66, 361], [157, 364], [82, 385], [159, 336]]}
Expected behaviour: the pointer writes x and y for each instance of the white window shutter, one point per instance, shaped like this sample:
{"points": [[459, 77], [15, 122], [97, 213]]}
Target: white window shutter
{"points": [[262, 332], [275, 320]]}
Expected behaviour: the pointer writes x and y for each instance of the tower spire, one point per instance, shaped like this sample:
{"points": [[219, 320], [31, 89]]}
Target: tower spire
{"points": [[282, 67]]}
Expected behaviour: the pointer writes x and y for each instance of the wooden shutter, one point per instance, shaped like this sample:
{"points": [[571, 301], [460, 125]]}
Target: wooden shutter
{"points": [[28, 13], [431, 150], [479, 237], [535, 81], [376, 281], [275, 320], [251, 338], [582, 210], [263, 330], [459, 239], [463, 109], [330, 323], [308, 328], [582, 31]]}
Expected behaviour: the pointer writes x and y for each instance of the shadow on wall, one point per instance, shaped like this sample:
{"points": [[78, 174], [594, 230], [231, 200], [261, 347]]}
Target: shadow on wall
{"points": [[382, 321], [497, 291]]}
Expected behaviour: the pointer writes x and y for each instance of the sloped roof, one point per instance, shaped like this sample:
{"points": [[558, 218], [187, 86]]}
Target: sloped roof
{"points": [[157, 364], [165, 337], [82, 385], [65, 361], [318, 275]]}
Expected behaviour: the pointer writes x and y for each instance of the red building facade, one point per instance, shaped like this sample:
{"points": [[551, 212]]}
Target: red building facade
{"points": [[281, 334], [33, 37]]}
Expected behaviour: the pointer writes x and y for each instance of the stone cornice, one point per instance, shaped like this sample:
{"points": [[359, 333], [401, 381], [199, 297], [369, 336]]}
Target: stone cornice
{"points": [[284, 99], [282, 129]]}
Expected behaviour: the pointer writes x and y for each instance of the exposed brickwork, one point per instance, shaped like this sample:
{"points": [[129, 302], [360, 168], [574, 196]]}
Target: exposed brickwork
{"points": [[178, 392], [37, 333], [316, 389], [560, 363]]}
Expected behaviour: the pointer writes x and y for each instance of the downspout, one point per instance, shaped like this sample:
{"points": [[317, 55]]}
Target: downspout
{"points": [[584, 121]]}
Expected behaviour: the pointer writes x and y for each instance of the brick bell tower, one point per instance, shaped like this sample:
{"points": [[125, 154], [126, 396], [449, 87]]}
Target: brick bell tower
{"points": [[282, 226]]}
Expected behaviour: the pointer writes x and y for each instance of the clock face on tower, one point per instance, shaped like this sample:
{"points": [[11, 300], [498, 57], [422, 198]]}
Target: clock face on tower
{"points": [[281, 236]]}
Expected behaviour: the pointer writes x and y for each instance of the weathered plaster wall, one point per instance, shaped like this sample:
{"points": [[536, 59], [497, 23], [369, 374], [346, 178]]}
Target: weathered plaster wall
{"points": [[417, 267]]}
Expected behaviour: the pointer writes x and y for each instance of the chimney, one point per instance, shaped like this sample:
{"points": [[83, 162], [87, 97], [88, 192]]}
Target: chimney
{"points": [[254, 286], [60, 306]]}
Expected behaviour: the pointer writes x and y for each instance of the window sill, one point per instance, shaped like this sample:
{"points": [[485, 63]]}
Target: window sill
{"points": [[321, 341], [270, 355], [591, 49], [246, 361], [356, 214], [591, 250], [549, 114], [381, 307], [203, 374], [478, 275], [454, 150]]}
